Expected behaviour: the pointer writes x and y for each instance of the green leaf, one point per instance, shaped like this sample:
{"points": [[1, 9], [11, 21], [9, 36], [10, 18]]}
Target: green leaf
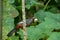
{"points": [[33, 33], [53, 10], [14, 38], [40, 15], [54, 36], [9, 9], [52, 23], [30, 3], [9, 1]]}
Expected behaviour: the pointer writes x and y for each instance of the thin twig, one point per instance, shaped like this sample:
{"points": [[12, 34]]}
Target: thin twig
{"points": [[46, 5], [24, 20]]}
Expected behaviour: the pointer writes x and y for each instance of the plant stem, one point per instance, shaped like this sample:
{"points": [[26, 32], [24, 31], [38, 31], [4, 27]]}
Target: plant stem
{"points": [[46, 5], [24, 20]]}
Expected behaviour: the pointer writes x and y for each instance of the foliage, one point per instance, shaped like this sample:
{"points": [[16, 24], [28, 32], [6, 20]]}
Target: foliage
{"points": [[9, 12], [54, 36], [48, 27]]}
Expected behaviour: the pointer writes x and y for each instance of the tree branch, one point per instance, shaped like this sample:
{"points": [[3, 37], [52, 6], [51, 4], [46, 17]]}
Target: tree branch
{"points": [[24, 20]]}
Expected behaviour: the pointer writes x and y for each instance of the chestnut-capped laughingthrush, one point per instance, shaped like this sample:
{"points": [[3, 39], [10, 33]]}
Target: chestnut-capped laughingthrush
{"points": [[20, 25]]}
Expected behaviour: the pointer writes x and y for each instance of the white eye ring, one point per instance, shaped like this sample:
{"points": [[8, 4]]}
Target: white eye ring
{"points": [[35, 20]]}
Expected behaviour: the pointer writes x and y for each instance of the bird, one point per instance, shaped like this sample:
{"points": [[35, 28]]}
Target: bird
{"points": [[19, 25]]}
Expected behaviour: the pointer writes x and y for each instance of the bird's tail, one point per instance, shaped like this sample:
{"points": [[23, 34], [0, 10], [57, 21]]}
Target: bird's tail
{"points": [[11, 32]]}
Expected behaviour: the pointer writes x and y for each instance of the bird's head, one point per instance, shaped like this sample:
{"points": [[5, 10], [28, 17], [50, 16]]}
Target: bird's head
{"points": [[34, 19]]}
